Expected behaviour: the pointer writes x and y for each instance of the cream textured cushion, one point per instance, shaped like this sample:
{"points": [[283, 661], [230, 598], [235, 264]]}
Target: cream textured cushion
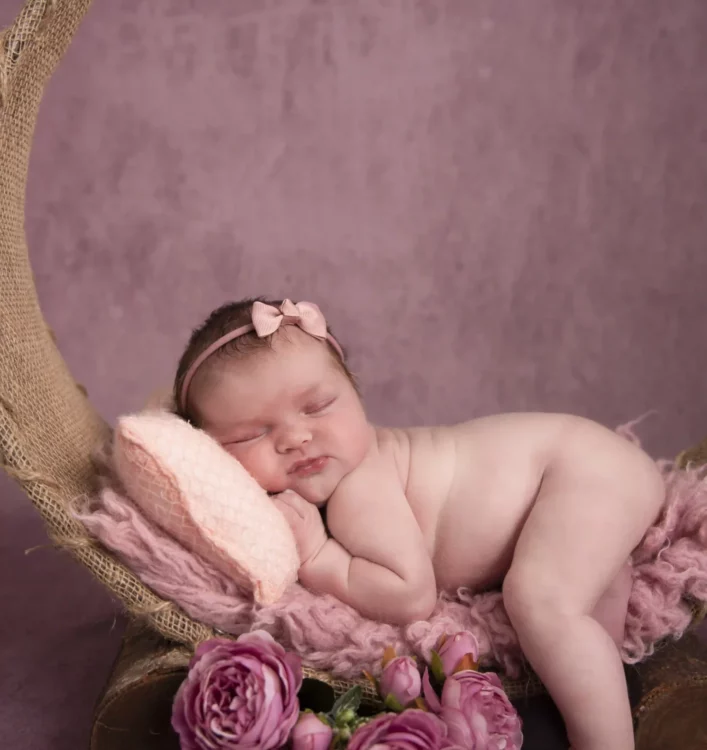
{"points": [[187, 484]]}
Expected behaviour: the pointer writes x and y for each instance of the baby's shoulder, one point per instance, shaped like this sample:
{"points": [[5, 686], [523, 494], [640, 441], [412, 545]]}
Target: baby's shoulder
{"points": [[389, 441], [380, 468]]}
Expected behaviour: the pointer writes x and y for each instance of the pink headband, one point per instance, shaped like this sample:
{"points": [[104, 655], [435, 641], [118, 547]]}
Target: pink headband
{"points": [[266, 320]]}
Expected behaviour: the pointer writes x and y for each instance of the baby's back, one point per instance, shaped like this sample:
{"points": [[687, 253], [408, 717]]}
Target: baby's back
{"points": [[471, 487]]}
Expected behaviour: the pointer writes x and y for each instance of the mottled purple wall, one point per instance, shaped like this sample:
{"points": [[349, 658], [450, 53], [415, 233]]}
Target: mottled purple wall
{"points": [[500, 206]]}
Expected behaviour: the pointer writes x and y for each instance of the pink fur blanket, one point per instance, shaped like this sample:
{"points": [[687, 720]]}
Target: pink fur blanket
{"points": [[670, 566]]}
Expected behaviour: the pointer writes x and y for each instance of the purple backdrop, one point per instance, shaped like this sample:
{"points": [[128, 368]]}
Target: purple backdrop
{"points": [[500, 206]]}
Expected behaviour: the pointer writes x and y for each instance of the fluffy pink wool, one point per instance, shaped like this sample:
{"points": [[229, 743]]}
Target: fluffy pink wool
{"points": [[670, 565]]}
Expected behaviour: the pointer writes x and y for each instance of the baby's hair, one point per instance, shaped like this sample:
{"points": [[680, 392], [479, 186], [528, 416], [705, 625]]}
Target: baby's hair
{"points": [[219, 323]]}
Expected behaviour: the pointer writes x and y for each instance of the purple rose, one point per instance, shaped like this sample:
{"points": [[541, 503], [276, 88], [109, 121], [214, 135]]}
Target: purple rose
{"points": [[478, 713], [410, 730], [311, 733], [238, 694], [454, 649], [401, 680]]}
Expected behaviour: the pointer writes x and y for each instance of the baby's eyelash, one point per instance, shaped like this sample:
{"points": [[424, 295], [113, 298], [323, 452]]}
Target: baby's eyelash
{"points": [[314, 408], [244, 440]]}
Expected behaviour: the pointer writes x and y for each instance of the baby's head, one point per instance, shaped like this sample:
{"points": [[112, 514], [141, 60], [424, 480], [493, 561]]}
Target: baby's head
{"points": [[268, 381]]}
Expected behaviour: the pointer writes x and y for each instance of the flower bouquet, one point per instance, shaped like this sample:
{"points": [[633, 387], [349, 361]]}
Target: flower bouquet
{"points": [[244, 694]]}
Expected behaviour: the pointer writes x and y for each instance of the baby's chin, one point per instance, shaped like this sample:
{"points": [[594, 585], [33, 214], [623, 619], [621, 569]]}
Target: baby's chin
{"points": [[313, 495], [315, 489]]}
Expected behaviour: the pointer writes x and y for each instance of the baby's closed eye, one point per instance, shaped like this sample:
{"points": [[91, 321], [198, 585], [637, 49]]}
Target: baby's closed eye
{"points": [[319, 406], [245, 438]]}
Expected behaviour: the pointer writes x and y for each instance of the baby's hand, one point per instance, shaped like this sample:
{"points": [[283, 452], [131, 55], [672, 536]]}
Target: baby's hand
{"points": [[305, 521]]}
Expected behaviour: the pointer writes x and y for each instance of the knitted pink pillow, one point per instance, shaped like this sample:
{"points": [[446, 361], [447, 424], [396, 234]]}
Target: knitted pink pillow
{"points": [[187, 484]]}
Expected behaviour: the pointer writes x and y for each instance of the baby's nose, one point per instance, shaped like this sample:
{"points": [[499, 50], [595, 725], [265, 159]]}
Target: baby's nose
{"points": [[293, 438]]}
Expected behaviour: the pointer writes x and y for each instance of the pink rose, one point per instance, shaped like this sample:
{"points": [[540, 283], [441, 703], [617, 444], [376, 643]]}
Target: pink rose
{"points": [[454, 649], [311, 733], [401, 680], [478, 713], [410, 730], [238, 694]]}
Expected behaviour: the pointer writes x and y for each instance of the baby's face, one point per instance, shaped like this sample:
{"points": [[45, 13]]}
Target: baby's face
{"points": [[289, 415]]}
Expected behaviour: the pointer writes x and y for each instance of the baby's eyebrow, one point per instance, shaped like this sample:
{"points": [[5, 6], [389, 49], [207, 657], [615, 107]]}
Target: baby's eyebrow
{"points": [[298, 394], [243, 423]]}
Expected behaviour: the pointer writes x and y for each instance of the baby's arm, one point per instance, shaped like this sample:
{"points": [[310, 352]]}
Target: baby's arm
{"points": [[377, 561]]}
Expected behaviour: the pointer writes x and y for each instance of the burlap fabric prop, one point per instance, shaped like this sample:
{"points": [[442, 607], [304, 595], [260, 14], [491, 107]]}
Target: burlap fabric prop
{"points": [[48, 428]]}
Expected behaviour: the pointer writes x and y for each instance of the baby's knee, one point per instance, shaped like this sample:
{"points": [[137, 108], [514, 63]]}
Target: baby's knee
{"points": [[533, 597]]}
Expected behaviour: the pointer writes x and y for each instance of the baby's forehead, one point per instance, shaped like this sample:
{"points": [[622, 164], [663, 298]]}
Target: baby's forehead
{"points": [[241, 394], [285, 357], [278, 371]]}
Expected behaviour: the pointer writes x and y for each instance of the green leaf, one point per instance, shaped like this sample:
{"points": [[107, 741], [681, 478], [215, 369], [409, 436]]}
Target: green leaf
{"points": [[392, 703], [436, 667], [351, 699], [341, 738], [345, 717]]}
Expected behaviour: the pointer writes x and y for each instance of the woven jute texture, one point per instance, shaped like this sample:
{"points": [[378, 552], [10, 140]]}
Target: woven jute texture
{"points": [[48, 428]]}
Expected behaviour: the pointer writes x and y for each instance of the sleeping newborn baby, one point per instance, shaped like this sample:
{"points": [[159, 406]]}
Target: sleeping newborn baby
{"points": [[548, 507]]}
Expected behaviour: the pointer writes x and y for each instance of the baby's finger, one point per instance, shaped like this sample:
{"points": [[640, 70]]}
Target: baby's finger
{"points": [[295, 501], [292, 500], [287, 510]]}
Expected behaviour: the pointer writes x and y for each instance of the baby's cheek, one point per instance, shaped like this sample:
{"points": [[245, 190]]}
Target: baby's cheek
{"points": [[267, 480], [355, 441], [261, 467]]}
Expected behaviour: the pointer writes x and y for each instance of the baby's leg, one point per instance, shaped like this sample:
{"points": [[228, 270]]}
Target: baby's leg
{"points": [[594, 505], [610, 611]]}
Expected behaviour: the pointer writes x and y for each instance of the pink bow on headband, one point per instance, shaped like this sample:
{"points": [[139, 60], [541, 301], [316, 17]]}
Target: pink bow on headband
{"points": [[267, 319]]}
